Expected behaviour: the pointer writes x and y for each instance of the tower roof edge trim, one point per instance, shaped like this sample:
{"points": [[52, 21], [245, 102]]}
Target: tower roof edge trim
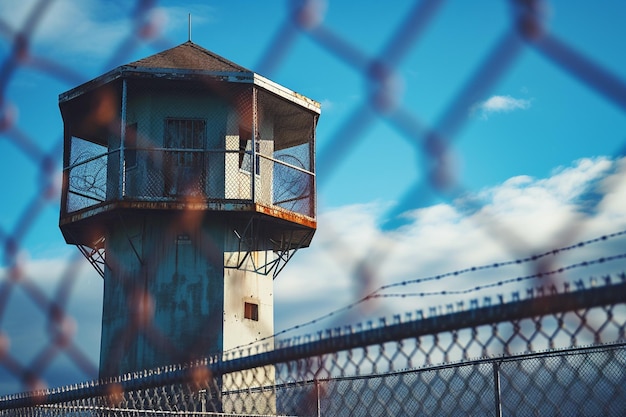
{"points": [[286, 93]]}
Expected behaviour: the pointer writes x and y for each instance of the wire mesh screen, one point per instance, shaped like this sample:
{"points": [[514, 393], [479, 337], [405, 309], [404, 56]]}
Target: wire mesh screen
{"points": [[537, 328], [87, 174]]}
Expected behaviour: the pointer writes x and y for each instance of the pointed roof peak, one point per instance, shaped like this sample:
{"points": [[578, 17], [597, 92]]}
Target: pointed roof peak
{"points": [[189, 56]]}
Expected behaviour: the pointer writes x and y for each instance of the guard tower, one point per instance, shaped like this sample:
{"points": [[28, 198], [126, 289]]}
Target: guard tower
{"points": [[188, 183]]}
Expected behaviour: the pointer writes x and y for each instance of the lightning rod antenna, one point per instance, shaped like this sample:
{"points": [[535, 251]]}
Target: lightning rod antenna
{"points": [[189, 27]]}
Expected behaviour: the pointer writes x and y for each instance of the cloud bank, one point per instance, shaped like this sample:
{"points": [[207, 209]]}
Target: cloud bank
{"points": [[351, 256]]}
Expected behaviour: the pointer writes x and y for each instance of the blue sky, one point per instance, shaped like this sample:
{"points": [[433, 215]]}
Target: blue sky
{"points": [[540, 148]]}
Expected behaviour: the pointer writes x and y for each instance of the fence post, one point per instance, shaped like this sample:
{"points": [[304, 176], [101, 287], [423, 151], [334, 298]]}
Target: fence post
{"points": [[317, 399], [496, 389]]}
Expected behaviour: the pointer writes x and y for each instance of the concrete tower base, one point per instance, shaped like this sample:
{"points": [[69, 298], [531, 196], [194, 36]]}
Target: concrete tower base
{"points": [[171, 297]]}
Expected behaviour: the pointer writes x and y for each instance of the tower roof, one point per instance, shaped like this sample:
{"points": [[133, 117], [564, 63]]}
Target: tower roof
{"points": [[188, 56], [189, 61]]}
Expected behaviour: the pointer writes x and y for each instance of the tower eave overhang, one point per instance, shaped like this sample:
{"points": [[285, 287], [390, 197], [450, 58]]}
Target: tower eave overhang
{"points": [[178, 74]]}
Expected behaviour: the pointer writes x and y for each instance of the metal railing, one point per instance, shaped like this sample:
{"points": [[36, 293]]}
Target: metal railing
{"points": [[213, 175]]}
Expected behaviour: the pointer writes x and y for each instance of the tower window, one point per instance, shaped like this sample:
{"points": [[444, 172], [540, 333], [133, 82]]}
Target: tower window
{"points": [[245, 151], [251, 311]]}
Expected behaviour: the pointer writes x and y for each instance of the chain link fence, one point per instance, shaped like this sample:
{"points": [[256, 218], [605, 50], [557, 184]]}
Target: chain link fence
{"points": [[484, 360], [549, 351]]}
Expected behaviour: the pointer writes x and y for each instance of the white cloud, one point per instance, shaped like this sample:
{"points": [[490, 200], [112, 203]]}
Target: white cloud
{"points": [[327, 105], [500, 104], [178, 18], [79, 31]]}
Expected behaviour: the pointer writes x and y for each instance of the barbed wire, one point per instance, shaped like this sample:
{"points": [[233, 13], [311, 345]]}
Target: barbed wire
{"points": [[520, 261], [453, 274], [499, 284]]}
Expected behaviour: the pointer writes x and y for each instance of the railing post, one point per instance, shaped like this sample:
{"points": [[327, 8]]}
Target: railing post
{"points": [[496, 389], [253, 141], [122, 177]]}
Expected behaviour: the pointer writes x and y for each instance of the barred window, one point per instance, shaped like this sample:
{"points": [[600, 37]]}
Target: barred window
{"points": [[185, 141], [185, 134]]}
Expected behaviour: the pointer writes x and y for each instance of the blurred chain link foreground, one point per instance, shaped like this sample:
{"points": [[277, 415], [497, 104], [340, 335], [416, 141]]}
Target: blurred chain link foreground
{"points": [[555, 348]]}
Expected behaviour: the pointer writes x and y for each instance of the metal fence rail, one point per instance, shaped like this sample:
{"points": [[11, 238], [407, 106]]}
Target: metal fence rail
{"points": [[483, 359]]}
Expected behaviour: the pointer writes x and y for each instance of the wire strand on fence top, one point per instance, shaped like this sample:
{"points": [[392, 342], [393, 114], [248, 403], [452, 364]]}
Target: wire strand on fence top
{"points": [[520, 261]]}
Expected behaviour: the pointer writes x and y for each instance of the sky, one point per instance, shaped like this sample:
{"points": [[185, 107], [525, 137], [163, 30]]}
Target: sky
{"points": [[533, 156]]}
